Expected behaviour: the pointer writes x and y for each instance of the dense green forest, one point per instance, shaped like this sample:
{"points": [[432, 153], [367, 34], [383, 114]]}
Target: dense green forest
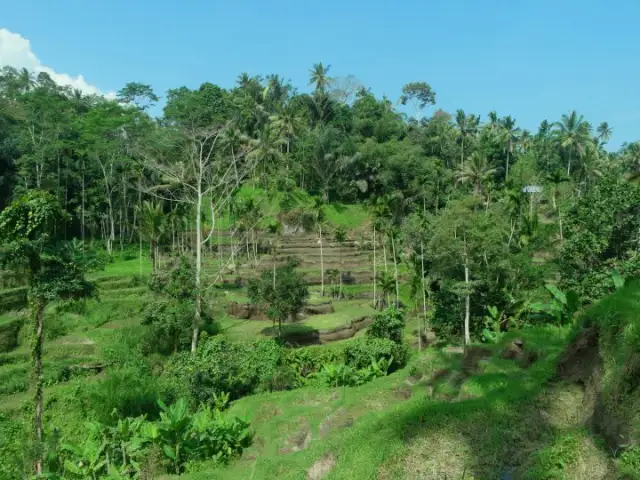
{"points": [[175, 281]]}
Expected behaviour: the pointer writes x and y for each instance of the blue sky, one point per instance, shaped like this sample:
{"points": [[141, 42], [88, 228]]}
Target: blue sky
{"points": [[534, 61]]}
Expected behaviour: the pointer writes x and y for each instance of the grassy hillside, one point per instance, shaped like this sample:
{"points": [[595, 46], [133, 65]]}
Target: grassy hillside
{"points": [[437, 418]]}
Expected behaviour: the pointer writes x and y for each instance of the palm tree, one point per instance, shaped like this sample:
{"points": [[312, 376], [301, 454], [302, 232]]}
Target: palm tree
{"points": [[526, 140], [26, 80], [476, 172], [387, 284], [494, 121], [604, 132], [513, 201], [556, 179], [573, 134], [317, 211], [152, 228], [276, 90], [266, 148], [340, 236], [465, 126], [510, 134], [288, 123], [319, 75], [590, 167]]}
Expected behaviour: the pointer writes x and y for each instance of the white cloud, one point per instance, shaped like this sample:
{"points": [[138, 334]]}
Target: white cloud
{"points": [[15, 51]]}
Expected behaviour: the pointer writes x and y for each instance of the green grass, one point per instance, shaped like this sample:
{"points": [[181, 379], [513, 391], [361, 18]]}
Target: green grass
{"points": [[345, 311], [348, 216], [124, 267]]}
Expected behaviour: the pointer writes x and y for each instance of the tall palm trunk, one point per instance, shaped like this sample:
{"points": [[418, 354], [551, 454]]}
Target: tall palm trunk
{"points": [[467, 299], [321, 262], [424, 289], [341, 272], [506, 166], [38, 379], [569, 162], [395, 268], [375, 276]]}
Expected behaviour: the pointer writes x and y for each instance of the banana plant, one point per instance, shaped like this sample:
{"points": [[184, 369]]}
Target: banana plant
{"points": [[562, 306], [492, 332], [85, 460], [174, 427]]}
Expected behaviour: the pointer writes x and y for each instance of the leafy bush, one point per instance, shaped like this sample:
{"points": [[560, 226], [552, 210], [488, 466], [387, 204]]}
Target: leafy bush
{"points": [[342, 375], [223, 366], [309, 360], [360, 353], [388, 324]]}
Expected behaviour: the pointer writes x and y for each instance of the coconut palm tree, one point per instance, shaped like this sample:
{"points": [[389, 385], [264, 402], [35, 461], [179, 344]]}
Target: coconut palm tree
{"points": [[289, 123], [510, 135], [573, 133], [467, 126], [494, 121], [152, 228], [556, 179], [318, 215], [26, 80], [319, 76], [266, 148], [604, 132], [477, 172], [590, 167], [340, 236]]}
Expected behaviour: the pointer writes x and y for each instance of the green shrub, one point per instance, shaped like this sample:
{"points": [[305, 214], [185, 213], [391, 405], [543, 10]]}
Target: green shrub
{"points": [[388, 324], [309, 360], [361, 352], [223, 366]]}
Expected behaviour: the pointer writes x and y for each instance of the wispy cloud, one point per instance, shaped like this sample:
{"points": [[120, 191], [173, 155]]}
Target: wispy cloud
{"points": [[15, 51]]}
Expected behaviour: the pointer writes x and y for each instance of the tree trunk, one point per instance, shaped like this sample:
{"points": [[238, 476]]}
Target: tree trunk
{"points": [[196, 318], [375, 276], [462, 154], [506, 165], [467, 304], [83, 196], [395, 268], [321, 263], [341, 269], [569, 164], [424, 289], [39, 380]]}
